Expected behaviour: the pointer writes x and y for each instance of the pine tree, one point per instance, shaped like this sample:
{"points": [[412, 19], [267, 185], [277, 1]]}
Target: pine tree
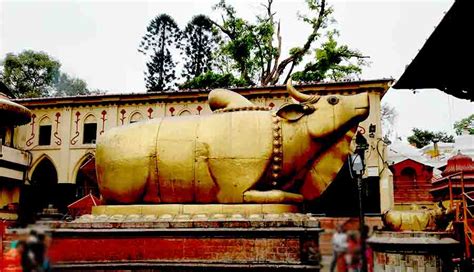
{"points": [[199, 42], [161, 39]]}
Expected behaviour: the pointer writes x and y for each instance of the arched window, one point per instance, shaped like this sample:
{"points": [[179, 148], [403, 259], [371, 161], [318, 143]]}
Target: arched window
{"points": [[136, 117], [408, 174], [44, 131], [41, 191], [90, 130], [44, 179], [86, 180], [44, 173], [184, 112]]}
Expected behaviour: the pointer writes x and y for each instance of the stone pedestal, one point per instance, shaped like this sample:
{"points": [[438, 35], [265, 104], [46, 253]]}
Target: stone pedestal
{"points": [[413, 251], [185, 242], [193, 209]]}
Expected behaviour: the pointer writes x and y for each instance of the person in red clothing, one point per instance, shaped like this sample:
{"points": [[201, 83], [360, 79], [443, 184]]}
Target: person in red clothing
{"points": [[12, 259], [370, 259], [368, 250], [339, 245], [353, 255]]}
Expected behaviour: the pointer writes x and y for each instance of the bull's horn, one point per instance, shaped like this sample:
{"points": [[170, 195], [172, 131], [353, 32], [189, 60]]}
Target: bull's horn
{"points": [[298, 96]]}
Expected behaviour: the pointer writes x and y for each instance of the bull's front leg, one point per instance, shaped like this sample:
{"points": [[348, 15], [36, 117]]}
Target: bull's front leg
{"points": [[272, 196], [236, 176]]}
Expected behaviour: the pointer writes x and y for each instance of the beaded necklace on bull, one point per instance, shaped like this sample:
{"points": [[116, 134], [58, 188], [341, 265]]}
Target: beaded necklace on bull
{"points": [[277, 150]]}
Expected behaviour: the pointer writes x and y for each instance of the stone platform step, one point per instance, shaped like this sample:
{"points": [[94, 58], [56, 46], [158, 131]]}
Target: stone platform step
{"points": [[170, 221], [184, 242], [414, 251], [175, 209]]}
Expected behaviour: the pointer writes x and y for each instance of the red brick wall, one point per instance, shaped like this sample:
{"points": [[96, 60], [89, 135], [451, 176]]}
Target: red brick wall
{"points": [[408, 190], [189, 249]]}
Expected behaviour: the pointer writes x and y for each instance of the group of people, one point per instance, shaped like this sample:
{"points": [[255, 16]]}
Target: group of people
{"points": [[347, 252], [27, 255]]}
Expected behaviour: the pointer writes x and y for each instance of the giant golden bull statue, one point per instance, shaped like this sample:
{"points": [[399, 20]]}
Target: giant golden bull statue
{"points": [[241, 153]]}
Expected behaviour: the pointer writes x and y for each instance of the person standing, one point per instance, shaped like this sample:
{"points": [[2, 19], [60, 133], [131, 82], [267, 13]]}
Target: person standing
{"points": [[339, 245], [353, 255]]}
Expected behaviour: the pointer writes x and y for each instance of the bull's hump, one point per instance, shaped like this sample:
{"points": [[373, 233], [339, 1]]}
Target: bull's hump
{"points": [[243, 134], [225, 99]]}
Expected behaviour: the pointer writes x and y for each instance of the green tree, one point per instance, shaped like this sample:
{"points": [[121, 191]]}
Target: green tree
{"points": [[30, 73], [255, 48], [239, 42], [465, 124], [199, 42], [70, 86], [318, 23], [332, 61], [213, 80], [98, 92], [421, 138], [161, 39]]}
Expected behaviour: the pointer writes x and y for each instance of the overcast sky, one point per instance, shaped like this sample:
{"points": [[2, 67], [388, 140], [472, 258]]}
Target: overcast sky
{"points": [[97, 41]]}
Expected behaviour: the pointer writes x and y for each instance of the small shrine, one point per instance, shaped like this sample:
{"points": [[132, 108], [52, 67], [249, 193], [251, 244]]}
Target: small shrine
{"points": [[459, 172], [426, 239], [11, 112], [13, 162], [83, 205]]}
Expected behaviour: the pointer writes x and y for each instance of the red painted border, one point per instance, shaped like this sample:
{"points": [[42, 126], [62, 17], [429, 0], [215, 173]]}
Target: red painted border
{"points": [[171, 249]]}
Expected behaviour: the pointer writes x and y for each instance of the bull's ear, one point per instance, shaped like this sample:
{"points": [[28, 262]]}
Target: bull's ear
{"points": [[291, 112]]}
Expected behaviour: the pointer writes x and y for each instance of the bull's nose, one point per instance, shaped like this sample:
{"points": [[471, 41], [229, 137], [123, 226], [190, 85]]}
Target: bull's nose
{"points": [[361, 104]]}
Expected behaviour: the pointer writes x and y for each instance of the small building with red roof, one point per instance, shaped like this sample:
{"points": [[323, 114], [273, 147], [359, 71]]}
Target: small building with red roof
{"points": [[412, 182], [460, 168]]}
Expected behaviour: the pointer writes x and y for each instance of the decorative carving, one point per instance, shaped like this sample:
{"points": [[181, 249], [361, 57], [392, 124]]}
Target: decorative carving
{"points": [[199, 109], [277, 150], [271, 105], [245, 108], [104, 113], [76, 134], [136, 117], [122, 118], [29, 142], [56, 133], [184, 112], [172, 110], [150, 111]]}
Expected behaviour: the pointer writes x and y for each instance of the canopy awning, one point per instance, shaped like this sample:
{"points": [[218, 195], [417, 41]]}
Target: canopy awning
{"points": [[12, 113], [445, 60]]}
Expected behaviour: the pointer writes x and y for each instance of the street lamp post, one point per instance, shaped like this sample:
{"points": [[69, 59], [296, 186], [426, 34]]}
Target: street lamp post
{"points": [[358, 168], [435, 147]]}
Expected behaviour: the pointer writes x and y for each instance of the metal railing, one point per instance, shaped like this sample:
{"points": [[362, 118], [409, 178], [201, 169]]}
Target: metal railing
{"points": [[467, 202], [464, 211]]}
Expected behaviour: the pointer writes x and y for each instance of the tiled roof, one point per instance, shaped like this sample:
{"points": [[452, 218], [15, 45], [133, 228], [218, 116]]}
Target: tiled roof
{"points": [[318, 85]]}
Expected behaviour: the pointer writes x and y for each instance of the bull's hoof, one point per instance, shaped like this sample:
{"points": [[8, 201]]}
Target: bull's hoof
{"points": [[272, 196]]}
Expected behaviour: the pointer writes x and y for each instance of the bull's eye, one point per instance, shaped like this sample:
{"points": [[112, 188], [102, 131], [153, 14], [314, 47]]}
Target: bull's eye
{"points": [[333, 100]]}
